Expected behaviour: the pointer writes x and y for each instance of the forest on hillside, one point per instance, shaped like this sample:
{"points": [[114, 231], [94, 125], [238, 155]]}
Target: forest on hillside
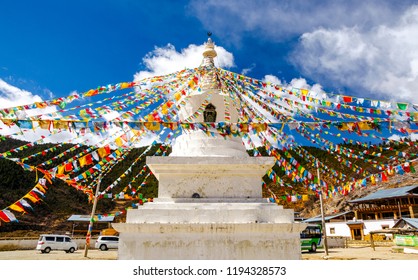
{"points": [[62, 200]]}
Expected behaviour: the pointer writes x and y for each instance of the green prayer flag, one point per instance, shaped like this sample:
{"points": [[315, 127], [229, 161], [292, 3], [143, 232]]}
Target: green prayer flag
{"points": [[402, 106]]}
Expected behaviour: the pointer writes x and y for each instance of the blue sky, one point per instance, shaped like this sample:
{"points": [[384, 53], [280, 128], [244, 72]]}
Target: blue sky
{"points": [[362, 48]]}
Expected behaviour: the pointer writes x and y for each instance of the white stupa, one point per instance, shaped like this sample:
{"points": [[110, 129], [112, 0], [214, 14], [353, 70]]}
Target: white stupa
{"points": [[209, 203]]}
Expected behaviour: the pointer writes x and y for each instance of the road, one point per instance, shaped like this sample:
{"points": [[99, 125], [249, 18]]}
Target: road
{"points": [[58, 255], [363, 253]]}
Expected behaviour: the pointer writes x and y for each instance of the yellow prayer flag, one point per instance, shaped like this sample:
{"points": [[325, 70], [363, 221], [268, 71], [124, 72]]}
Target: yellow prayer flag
{"points": [[82, 161], [41, 188], [373, 180], [17, 208], [31, 198], [60, 124], [41, 105], [61, 169], [124, 85], [119, 142], [164, 109], [44, 124], [177, 96], [364, 126], [102, 152], [154, 126]]}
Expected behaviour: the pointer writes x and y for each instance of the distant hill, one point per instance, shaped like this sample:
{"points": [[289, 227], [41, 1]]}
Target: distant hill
{"points": [[62, 200]]}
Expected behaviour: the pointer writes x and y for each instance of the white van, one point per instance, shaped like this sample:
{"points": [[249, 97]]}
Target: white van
{"points": [[48, 242], [105, 243]]}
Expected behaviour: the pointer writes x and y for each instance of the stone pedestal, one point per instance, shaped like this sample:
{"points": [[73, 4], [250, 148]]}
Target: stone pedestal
{"points": [[228, 219]]}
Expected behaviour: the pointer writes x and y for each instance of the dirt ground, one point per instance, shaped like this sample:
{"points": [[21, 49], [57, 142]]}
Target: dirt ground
{"points": [[59, 255], [362, 253]]}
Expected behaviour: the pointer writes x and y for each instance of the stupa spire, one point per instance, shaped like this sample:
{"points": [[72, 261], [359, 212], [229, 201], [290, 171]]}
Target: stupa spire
{"points": [[209, 53]]}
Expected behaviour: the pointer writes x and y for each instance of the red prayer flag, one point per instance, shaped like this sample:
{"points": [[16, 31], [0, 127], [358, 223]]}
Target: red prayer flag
{"points": [[68, 167], [347, 99], [4, 217]]}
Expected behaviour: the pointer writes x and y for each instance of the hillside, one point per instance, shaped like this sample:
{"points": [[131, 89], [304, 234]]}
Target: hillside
{"points": [[62, 200], [339, 203]]}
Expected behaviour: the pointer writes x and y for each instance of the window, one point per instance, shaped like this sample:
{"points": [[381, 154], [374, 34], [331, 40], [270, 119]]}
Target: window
{"points": [[50, 238], [311, 232], [60, 239], [67, 239], [332, 230], [105, 238], [387, 215]]}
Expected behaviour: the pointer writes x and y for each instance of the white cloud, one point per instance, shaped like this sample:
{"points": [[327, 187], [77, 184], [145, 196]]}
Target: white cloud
{"points": [[368, 47], [166, 60], [382, 60], [276, 20], [299, 83], [11, 96], [272, 79], [396, 137], [246, 71]]}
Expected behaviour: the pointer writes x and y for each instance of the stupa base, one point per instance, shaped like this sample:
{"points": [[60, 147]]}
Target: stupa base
{"points": [[236, 233]]}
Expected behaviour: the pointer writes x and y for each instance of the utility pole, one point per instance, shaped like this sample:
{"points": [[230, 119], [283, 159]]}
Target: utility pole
{"points": [[88, 236], [324, 229]]}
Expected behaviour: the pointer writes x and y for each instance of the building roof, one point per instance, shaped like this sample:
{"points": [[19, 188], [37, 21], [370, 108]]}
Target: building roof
{"points": [[413, 222], [388, 193], [86, 218], [318, 219]]}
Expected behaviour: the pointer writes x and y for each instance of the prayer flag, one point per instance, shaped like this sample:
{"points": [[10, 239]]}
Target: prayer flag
{"points": [[402, 106]]}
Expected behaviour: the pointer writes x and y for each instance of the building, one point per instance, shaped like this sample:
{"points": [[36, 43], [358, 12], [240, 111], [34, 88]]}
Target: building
{"points": [[80, 223], [393, 204], [382, 209], [407, 223], [406, 232], [376, 212], [335, 225]]}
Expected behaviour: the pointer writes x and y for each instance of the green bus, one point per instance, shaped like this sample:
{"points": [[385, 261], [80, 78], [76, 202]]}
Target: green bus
{"points": [[311, 238]]}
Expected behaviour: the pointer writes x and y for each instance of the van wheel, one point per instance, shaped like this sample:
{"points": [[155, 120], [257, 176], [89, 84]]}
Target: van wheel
{"points": [[313, 248], [71, 250], [47, 250], [103, 247]]}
